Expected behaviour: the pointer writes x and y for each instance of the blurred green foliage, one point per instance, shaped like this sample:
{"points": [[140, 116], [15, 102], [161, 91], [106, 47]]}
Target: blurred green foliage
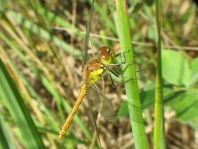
{"points": [[41, 45]]}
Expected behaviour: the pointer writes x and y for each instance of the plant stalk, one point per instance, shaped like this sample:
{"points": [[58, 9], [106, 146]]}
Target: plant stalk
{"points": [[131, 86], [159, 140]]}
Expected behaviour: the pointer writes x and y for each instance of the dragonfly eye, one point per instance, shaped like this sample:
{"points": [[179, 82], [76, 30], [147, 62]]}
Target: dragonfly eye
{"points": [[106, 55]]}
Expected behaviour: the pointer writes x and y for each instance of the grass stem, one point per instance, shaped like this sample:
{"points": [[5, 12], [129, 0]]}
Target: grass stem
{"points": [[159, 141], [132, 90]]}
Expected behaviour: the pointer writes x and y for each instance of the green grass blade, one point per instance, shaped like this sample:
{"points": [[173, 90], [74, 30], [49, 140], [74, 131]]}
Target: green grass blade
{"points": [[42, 33], [5, 137], [132, 90], [105, 18], [18, 110], [159, 140]]}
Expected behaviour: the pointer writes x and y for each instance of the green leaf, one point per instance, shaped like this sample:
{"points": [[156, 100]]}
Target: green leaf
{"points": [[5, 137], [176, 69], [123, 110], [194, 65], [149, 2], [136, 5], [194, 75], [17, 108], [151, 33], [185, 105], [147, 97]]}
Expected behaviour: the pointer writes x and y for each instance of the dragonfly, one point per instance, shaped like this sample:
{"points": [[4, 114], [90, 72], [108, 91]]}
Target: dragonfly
{"points": [[93, 70]]}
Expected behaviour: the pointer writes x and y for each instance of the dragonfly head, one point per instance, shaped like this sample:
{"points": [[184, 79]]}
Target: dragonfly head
{"points": [[106, 55]]}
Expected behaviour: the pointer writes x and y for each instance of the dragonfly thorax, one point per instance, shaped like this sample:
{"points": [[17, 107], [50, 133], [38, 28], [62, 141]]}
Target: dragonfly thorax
{"points": [[93, 71]]}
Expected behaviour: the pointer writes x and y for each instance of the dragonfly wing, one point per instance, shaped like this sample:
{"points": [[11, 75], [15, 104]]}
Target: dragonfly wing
{"points": [[103, 104], [94, 101], [93, 119], [107, 110]]}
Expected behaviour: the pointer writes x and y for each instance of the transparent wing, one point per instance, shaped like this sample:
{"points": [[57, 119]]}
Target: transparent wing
{"points": [[93, 119], [107, 110], [100, 103]]}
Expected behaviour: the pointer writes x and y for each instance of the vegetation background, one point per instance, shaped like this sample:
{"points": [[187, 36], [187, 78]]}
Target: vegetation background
{"points": [[41, 47]]}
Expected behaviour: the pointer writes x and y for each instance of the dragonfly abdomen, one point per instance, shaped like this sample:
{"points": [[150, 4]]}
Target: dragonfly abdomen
{"points": [[83, 92]]}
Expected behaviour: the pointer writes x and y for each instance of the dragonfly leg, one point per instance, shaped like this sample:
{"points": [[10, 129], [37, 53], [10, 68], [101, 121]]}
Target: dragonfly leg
{"points": [[109, 68], [123, 61], [118, 79], [122, 57], [123, 82], [124, 69], [112, 82]]}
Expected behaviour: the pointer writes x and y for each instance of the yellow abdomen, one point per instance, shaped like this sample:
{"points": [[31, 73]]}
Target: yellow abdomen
{"points": [[83, 92]]}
